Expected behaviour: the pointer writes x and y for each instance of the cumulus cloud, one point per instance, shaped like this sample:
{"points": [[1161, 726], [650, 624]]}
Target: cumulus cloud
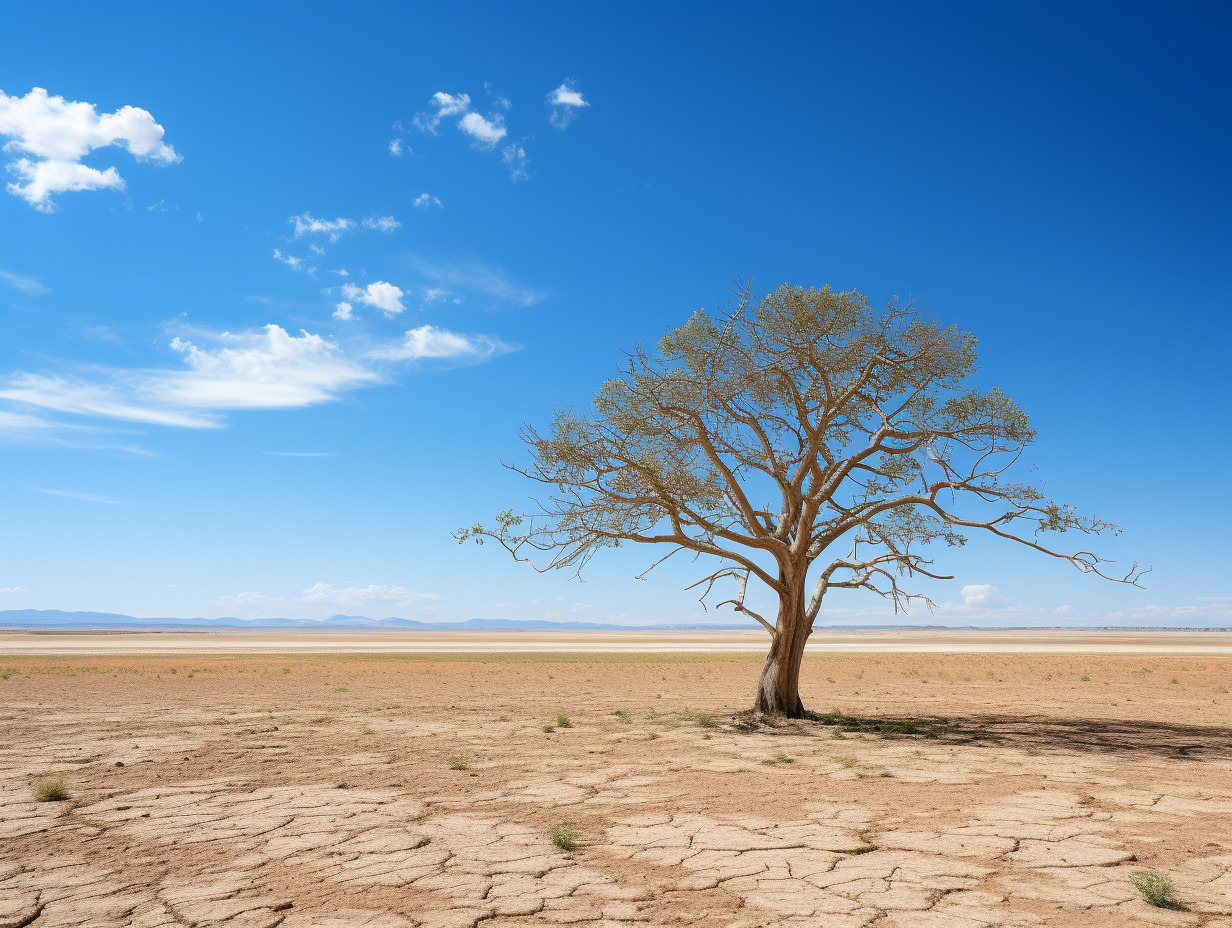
{"points": [[485, 132], [28, 285], [426, 201], [981, 595], [267, 368], [380, 295], [446, 105], [566, 102], [343, 311], [384, 224], [305, 224], [361, 595], [428, 341], [395, 147], [52, 135]]}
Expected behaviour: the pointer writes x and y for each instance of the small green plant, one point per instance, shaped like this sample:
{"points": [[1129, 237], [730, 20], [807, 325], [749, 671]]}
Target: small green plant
{"points": [[847, 761], [549, 728], [705, 721], [457, 763], [784, 759], [367, 731], [342, 689], [1085, 678], [1221, 689], [1174, 680], [624, 716], [565, 836], [562, 721], [51, 789], [829, 679], [1155, 888], [1047, 676], [838, 734], [286, 669]]}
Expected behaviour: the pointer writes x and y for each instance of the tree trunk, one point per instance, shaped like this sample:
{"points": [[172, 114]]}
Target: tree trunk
{"points": [[778, 690]]}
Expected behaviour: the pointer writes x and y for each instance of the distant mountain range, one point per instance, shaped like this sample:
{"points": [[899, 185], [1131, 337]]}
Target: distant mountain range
{"points": [[57, 619]]}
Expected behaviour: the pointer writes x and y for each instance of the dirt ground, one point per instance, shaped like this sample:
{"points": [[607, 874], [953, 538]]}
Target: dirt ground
{"points": [[322, 791]]}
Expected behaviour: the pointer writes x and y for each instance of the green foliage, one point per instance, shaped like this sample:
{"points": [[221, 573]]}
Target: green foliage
{"points": [[457, 763], [704, 721], [562, 721], [1156, 888], [623, 716], [565, 836]]}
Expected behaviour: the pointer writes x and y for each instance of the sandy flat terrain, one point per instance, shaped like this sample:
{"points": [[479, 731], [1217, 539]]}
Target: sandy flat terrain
{"points": [[319, 790], [870, 641]]}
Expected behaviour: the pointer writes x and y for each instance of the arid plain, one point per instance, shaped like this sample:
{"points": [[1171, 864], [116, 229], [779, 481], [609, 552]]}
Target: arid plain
{"points": [[954, 779]]}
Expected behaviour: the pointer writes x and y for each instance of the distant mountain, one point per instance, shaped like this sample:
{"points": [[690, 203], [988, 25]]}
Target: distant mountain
{"points": [[55, 618]]}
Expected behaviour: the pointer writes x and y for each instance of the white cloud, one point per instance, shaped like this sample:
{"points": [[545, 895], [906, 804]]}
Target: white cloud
{"points": [[380, 295], [485, 132], [87, 497], [426, 201], [428, 341], [446, 105], [566, 101], [434, 295], [294, 263], [13, 589], [341, 272], [28, 285], [1063, 610], [358, 596], [334, 228], [476, 276], [385, 224], [20, 422], [343, 311], [981, 595], [316, 249], [395, 147], [514, 157], [57, 134], [262, 369]]}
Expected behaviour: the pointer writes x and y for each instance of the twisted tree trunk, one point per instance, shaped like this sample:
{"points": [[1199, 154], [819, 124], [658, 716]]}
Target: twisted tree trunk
{"points": [[778, 690]]}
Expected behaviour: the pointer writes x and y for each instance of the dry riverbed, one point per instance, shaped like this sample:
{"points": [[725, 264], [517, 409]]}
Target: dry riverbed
{"points": [[381, 790]]}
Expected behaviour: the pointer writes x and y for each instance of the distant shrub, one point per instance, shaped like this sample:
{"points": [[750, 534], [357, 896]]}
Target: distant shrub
{"points": [[457, 763], [847, 761], [623, 715], [565, 836], [51, 789], [562, 721], [1155, 888]]}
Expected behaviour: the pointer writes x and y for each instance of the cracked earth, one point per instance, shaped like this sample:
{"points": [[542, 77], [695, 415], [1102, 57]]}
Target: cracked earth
{"points": [[255, 791]]}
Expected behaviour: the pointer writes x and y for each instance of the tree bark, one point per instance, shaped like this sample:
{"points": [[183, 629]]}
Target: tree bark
{"points": [[778, 690]]}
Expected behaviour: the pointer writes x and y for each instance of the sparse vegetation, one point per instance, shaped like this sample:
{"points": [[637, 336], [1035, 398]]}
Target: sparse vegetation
{"points": [[1085, 678], [367, 731], [1156, 888], [457, 763], [847, 761], [704, 721], [887, 728], [342, 689], [549, 728], [565, 836], [562, 721], [51, 789], [624, 716]]}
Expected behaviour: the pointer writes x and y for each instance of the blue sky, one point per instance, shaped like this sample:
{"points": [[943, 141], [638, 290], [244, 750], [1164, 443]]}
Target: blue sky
{"points": [[201, 415]]}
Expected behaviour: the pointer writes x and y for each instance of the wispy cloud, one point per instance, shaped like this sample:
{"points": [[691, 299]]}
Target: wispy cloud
{"points": [[52, 135], [294, 263], [263, 369], [384, 224], [428, 341], [395, 147], [514, 157], [566, 101], [305, 224], [27, 285], [358, 596], [426, 201], [302, 454], [13, 589], [479, 277], [86, 497]]}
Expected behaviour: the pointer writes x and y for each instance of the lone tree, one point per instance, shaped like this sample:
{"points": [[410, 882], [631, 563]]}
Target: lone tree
{"points": [[854, 421]]}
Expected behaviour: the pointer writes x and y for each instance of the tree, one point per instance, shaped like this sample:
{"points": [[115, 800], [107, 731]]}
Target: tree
{"points": [[855, 422]]}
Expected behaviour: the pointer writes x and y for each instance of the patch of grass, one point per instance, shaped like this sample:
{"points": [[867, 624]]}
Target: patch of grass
{"points": [[342, 689], [367, 731], [1047, 676], [51, 789], [457, 763], [286, 669], [1221, 689], [624, 716], [565, 836], [704, 721], [562, 721], [784, 759], [652, 715], [549, 728], [847, 761], [829, 679], [1174, 680], [1085, 678], [1156, 888]]}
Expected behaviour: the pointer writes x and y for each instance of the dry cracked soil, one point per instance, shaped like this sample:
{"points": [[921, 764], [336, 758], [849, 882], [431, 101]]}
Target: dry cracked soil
{"points": [[388, 791]]}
